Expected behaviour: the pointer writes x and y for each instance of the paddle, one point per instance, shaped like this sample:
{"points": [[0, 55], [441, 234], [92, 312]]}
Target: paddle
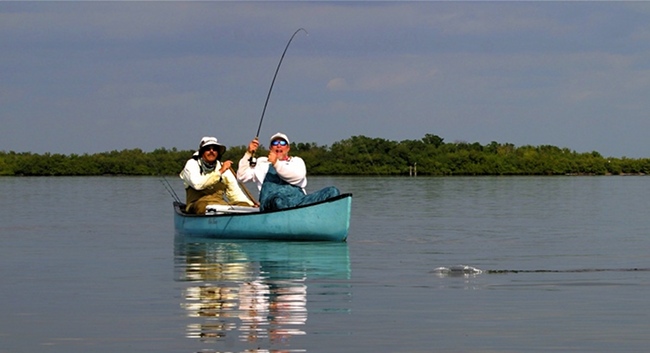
{"points": [[253, 160]]}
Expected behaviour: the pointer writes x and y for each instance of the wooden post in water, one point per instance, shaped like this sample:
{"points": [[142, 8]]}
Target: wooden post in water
{"points": [[413, 169]]}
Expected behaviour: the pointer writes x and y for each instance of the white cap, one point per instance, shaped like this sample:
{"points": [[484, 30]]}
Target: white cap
{"points": [[280, 135]]}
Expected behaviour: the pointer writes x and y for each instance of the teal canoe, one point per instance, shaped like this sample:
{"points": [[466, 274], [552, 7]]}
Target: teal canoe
{"points": [[327, 220]]}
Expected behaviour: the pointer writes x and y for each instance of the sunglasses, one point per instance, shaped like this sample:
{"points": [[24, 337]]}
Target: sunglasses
{"points": [[279, 142], [210, 148]]}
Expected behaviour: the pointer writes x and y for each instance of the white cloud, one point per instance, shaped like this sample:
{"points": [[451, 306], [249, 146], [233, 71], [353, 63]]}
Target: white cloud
{"points": [[337, 84]]}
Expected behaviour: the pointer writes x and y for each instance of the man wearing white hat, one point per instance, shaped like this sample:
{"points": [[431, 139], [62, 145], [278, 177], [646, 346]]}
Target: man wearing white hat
{"points": [[207, 180], [280, 178]]}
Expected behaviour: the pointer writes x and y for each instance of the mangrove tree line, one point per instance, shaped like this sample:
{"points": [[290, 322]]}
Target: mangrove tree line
{"points": [[358, 155]]}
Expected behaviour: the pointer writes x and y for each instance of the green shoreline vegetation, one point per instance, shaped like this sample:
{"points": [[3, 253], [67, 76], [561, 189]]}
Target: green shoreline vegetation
{"points": [[358, 155]]}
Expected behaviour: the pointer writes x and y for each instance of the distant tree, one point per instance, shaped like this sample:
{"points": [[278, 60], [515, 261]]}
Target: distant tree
{"points": [[434, 140]]}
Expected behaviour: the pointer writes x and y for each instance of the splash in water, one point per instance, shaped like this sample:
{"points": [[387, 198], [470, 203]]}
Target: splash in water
{"points": [[458, 270]]}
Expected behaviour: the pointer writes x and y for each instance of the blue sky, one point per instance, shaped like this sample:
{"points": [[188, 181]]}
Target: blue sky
{"points": [[87, 77]]}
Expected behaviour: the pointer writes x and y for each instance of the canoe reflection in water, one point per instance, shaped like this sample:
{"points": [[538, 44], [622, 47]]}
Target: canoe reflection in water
{"points": [[258, 291]]}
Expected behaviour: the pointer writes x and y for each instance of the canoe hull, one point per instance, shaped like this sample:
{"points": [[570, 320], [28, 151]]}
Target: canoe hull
{"points": [[327, 220]]}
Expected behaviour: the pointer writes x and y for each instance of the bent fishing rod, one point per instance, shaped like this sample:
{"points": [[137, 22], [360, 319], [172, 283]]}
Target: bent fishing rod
{"points": [[253, 160]]}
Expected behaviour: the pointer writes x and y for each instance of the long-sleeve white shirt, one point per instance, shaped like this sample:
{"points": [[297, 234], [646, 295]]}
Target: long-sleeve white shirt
{"points": [[192, 177], [292, 170]]}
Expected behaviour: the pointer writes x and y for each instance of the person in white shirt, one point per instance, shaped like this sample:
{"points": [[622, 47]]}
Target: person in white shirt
{"points": [[208, 181], [280, 178]]}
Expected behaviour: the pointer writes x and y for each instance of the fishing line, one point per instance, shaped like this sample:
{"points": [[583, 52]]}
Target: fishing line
{"points": [[465, 270], [170, 189], [580, 270], [253, 161]]}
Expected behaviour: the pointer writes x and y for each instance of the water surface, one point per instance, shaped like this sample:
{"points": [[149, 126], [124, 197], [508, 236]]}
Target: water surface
{"points": [[93, 264]]}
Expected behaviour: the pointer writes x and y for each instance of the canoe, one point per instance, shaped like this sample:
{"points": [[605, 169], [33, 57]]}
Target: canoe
{"points": [[327, 220]]}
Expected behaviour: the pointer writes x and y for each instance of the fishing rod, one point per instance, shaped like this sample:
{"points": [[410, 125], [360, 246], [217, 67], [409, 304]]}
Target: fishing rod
{"points": [[243, 187], [253, 161], [170, 189]]}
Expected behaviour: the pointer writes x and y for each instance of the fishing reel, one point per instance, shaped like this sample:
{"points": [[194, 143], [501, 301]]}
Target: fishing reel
{"points": [[252, 161]]}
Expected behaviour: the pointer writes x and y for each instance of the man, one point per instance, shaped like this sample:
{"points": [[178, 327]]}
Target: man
{"points": [[207, 180], [280, 178]]}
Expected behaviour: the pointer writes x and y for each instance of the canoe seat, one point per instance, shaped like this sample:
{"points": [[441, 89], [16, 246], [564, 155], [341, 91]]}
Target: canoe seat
{"points": [[221, 209]]}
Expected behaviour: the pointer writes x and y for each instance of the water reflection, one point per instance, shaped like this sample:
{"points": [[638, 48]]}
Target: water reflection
{"points": [[257, 292]]}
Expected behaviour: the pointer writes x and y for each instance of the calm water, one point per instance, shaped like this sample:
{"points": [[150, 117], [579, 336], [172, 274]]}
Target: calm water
{"points": [[93, 265]]}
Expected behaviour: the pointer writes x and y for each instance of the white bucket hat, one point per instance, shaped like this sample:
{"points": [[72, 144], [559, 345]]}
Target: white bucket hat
{"points": [[212, 141]]}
